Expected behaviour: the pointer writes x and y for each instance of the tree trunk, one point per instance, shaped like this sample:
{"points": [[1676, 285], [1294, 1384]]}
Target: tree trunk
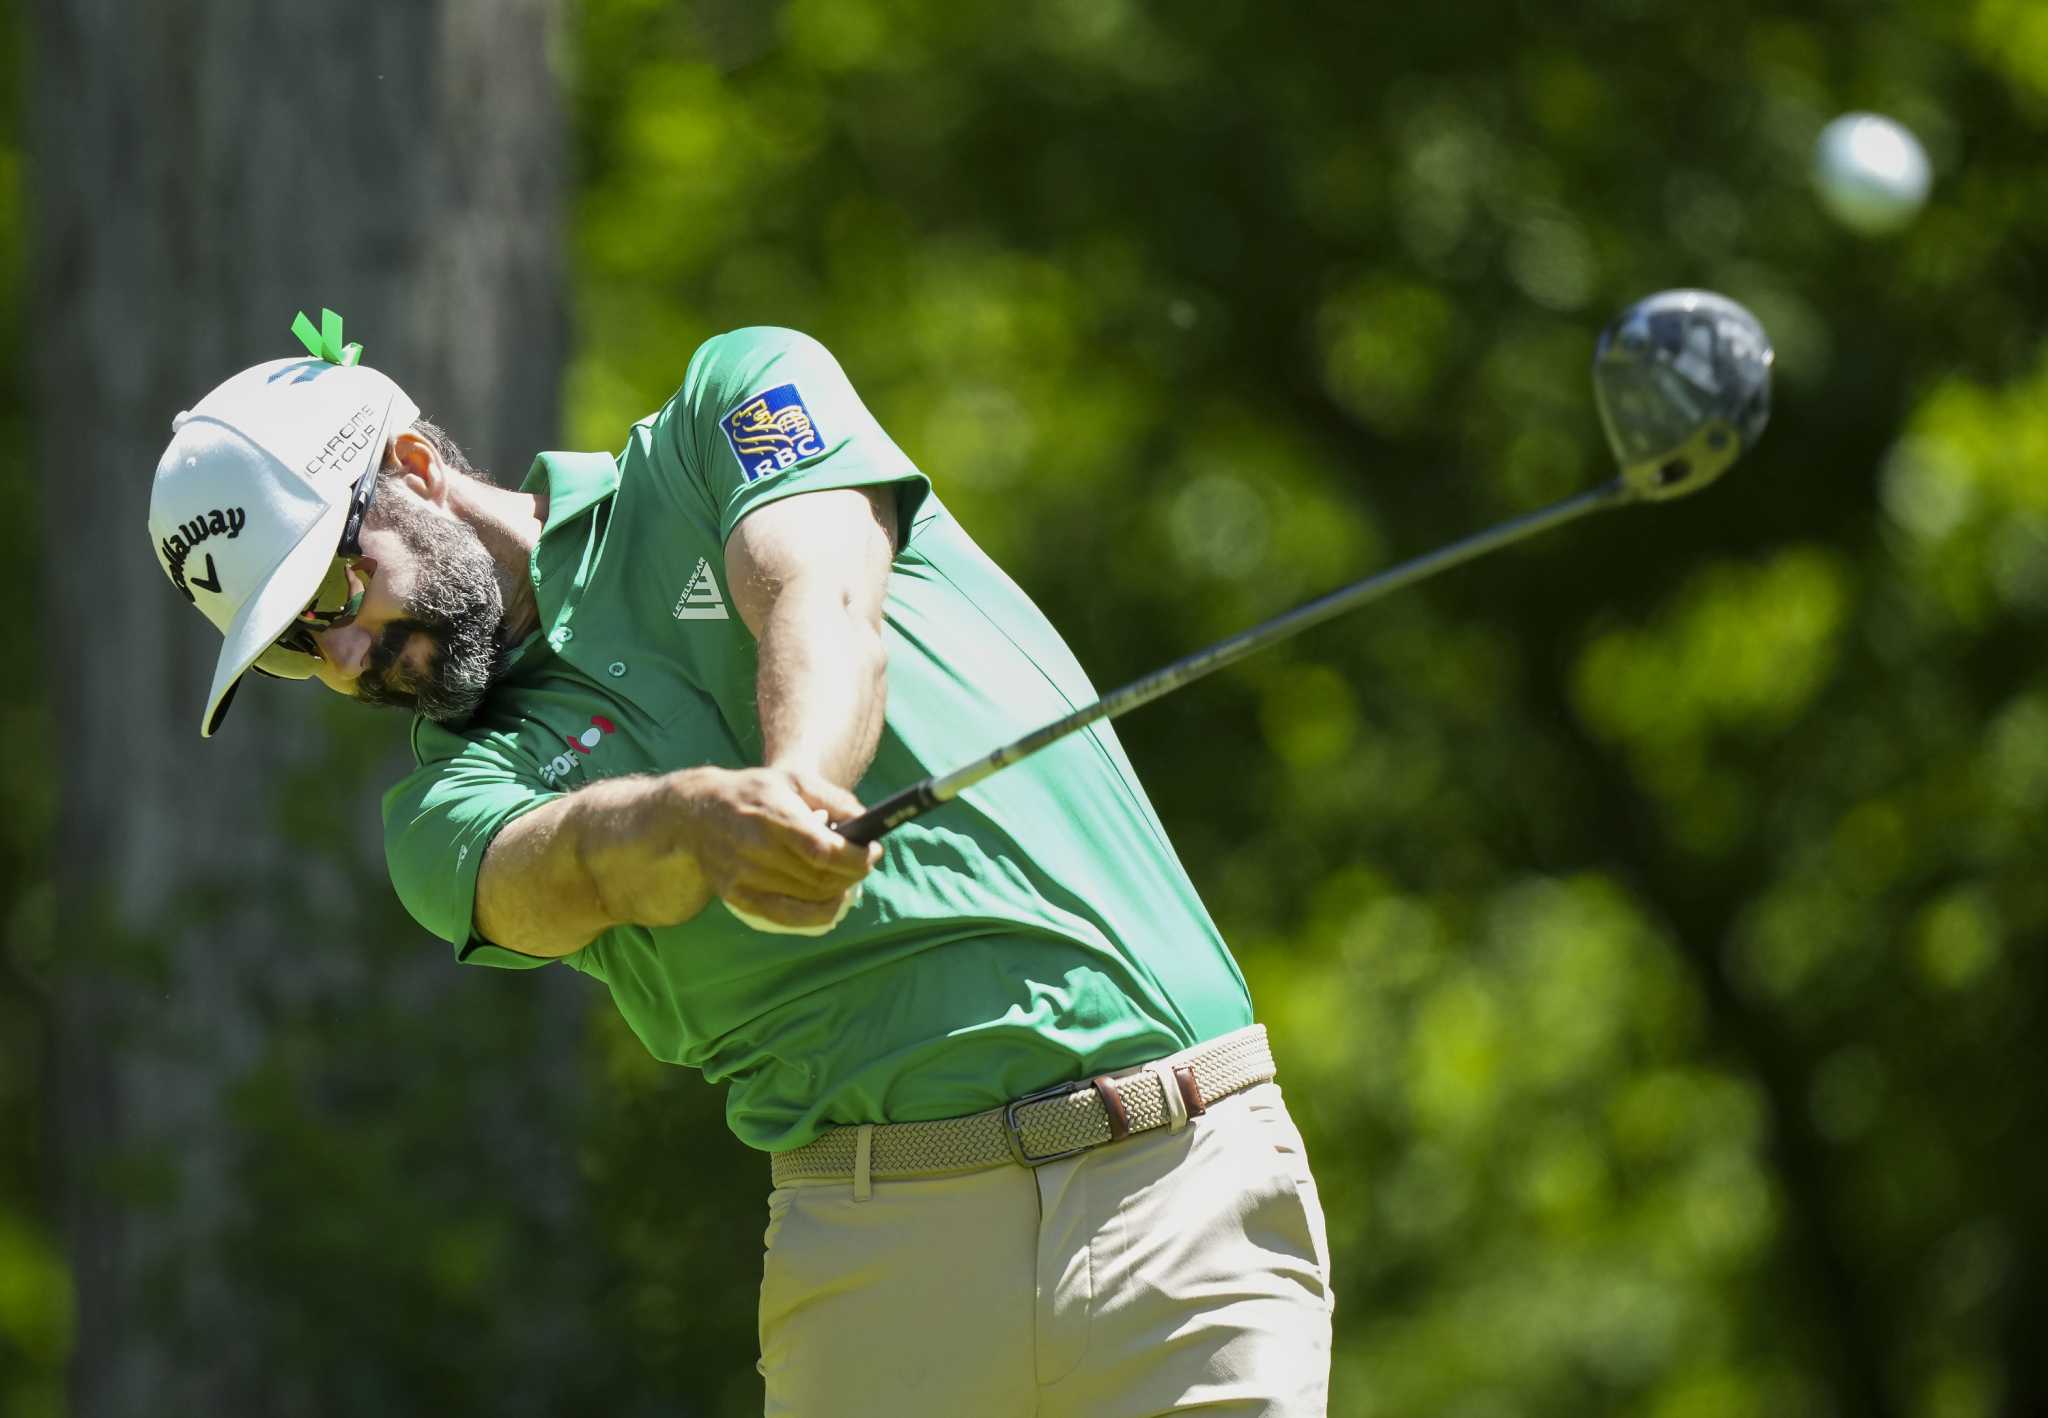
{"points": [[245, 1026]]}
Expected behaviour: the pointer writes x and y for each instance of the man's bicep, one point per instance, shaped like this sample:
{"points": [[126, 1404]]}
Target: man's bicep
{"points": [[837, 542]]}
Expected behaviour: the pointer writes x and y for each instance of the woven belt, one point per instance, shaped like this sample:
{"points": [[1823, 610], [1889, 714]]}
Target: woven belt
{"points": [[1044, 1126]]}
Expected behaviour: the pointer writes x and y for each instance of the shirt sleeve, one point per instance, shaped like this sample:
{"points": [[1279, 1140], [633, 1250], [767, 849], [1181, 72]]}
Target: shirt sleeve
{"points": [[767, 413], [438, 822]]}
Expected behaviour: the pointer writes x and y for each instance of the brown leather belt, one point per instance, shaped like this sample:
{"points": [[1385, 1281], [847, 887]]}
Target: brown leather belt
{"points": [[1044, 1126]]}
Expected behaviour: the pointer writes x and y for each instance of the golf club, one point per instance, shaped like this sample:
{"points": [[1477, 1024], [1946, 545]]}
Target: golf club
{"points": [[1683, 383]]}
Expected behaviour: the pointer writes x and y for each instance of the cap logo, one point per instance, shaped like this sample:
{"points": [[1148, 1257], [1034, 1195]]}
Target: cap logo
{"points": [[350, 439], [220, 522]]}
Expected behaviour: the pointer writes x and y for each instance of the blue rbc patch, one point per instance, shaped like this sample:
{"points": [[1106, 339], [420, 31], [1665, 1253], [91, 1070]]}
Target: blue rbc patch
{"points": [[772, 431]]}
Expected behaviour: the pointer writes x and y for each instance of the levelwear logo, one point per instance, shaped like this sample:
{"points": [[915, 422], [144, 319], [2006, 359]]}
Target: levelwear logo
{"points": [[348, 440], [700, 599], [220, 522], [552, 771]]}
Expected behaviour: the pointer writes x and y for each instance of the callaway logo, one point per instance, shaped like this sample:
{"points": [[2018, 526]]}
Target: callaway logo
{"points": [[551, 772], [700, 599], [220, 522], [348, 440]]}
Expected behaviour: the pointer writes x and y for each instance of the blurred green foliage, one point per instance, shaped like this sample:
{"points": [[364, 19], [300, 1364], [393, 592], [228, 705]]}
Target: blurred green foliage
{"points": [[1650, 918]]}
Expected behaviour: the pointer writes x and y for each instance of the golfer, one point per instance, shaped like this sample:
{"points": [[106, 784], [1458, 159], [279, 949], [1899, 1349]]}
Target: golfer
{"points": [[1028, 1153]]}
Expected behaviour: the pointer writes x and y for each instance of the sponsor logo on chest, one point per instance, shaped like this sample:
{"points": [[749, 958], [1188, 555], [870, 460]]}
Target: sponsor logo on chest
{"points": [[700, 599], [555, 769]]}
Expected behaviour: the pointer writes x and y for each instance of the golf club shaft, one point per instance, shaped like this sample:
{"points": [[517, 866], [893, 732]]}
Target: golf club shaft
{"points": [[920, 798]]}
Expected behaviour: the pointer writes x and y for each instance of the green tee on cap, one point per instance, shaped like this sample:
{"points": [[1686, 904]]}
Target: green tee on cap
{"points": [[1038, 929], [325, 342]]}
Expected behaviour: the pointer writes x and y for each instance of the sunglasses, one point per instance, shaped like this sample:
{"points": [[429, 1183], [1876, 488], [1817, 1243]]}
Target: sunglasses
{"points": [[295, 654]]}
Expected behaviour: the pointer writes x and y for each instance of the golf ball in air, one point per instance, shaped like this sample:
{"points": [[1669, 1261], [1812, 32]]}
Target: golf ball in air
{"points": [[1871, 172]]}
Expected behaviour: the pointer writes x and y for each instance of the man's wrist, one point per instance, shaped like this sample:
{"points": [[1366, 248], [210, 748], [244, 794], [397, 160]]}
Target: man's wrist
{"points": [[797, 763]]}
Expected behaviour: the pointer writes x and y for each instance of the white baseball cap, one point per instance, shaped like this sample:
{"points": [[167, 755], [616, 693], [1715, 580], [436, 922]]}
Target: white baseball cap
{"points": [[255, 491]]}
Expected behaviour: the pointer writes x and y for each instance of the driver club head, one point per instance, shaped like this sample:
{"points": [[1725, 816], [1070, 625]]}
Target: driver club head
{"points": [[1683, 382]]}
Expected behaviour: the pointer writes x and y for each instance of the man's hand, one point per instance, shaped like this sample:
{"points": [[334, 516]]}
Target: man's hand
{"points": [[760, 841]]}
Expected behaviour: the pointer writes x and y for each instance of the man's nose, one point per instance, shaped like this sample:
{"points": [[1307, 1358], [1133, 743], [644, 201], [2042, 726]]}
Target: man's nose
{"points": [[346, 648]]}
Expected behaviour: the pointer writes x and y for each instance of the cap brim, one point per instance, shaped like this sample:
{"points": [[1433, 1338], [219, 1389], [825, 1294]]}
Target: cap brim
{"points": [[270, 612]]}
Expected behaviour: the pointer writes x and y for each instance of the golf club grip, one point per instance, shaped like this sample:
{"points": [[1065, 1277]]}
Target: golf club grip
{"points": [[892, 811]]}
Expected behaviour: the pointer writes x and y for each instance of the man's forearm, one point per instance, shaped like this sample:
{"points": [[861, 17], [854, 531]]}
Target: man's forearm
{"points": [[609, 854], [652, 851], [822, 685]]}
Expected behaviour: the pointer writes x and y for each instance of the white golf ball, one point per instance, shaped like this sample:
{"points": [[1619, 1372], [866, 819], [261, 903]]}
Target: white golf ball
{"points": [[1871, 172]]}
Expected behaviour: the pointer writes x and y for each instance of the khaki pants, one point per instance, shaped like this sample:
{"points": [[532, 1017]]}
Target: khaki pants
{"points": [[1170, 1272]]}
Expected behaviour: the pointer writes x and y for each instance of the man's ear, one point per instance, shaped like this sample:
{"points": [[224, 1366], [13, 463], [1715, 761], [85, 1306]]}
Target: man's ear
{"points": [[414, 459]]}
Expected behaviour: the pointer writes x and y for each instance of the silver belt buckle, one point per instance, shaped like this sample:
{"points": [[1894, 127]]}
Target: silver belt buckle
{"points": [[1013, 1132]]}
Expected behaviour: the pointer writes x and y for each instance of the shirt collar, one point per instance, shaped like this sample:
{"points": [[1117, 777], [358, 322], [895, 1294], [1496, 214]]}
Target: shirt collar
{"points": [[574, 483]]}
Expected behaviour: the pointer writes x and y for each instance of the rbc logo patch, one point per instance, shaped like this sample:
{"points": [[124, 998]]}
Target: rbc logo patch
{"points": [[772, 431]]}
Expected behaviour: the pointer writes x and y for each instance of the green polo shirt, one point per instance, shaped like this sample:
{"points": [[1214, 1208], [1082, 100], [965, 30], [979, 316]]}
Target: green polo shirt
{"points": [[1035, 930]]}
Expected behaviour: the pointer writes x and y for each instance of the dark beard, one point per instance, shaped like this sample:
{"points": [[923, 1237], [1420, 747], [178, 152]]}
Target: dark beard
{"points": [[456, 603]]}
